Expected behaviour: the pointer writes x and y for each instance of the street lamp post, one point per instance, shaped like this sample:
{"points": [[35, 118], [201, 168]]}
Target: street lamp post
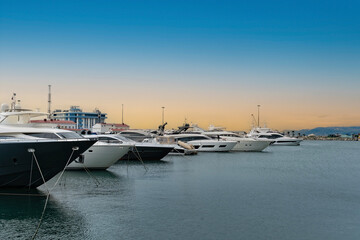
{"points": [[122, 113], [258, 115]]}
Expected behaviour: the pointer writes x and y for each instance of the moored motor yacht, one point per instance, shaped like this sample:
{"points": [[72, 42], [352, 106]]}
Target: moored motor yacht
{"points": [[103, 154], [146, 150], [242, 144], [275, 137], [99, 156], [28, 161], [203, 143]]}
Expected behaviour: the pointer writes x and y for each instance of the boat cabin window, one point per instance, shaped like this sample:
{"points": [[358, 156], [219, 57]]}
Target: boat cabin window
{"points": [[123, 139], [7, 137], [132, 133], [109, 140], [273, 136], [264, 136], [230, 135], [69, 135], [43, 135], [276, 136], [192, 138]]}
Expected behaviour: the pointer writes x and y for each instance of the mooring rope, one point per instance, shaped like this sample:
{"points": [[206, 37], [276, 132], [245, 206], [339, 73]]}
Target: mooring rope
{"points": [[139, 158], [48, 192], [33, 157], [48, 195], [37, 163], [67, 163], [182, 155], [97, 182], [31, 168]]}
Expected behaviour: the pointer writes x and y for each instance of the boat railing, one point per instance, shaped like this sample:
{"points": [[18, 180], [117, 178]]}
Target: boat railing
{"points": [[42, 140]]}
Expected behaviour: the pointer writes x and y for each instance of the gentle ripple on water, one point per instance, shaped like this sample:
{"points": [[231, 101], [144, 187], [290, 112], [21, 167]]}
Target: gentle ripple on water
{"points": [[305, 192]]}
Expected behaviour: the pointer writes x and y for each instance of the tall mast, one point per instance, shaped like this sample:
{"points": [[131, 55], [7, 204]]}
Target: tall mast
{"points": [[13, 98]]}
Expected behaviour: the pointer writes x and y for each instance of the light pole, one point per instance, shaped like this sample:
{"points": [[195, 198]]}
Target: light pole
{"points": [[122, 113], [163, 115], [258, 115]]}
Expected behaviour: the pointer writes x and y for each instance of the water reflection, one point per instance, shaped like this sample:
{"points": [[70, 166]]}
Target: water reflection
{"points": [[21, 213], [104, 174], [138, 162]]}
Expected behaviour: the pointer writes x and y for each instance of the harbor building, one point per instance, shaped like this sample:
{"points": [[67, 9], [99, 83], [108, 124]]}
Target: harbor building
{"points": [[83, 120], [53, 123]]}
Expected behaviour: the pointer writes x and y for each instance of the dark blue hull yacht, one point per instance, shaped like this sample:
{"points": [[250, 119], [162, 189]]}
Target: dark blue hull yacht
{"points": [[20, 160]]}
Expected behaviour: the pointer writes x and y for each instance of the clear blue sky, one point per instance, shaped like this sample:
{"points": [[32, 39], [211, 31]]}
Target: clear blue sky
{"points": [[244, 44]]}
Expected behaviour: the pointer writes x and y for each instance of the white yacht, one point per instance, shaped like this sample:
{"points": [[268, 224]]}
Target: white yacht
{"points": [[203, 143], [103, 154], [242, 144], [275, 137]]}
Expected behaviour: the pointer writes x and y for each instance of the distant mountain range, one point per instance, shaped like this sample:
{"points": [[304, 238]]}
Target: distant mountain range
{"points": [[325, 131]]}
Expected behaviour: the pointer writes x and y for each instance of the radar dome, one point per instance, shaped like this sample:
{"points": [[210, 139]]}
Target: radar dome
{"points": [[4, 107]]}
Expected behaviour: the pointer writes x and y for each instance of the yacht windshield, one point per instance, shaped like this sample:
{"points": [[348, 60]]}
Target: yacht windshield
{"points": [[69, 135], [193, 138], [109, 140], [132, 134], [124, 139], [273, 136], [43, 135]]}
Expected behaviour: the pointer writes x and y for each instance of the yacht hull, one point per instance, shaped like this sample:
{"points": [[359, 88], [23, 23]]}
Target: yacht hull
{"points": [[250, 146], [212, 146], [99, 157], [19, 169], [147, 153], [287, 143]]}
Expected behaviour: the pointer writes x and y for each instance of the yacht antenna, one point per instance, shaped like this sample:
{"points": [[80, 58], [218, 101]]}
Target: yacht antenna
{"points": [[13, 98], [258, 122]]}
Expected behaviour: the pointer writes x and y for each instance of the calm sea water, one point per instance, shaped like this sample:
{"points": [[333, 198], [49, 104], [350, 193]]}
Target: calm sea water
{"points": [[306, 192]]}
